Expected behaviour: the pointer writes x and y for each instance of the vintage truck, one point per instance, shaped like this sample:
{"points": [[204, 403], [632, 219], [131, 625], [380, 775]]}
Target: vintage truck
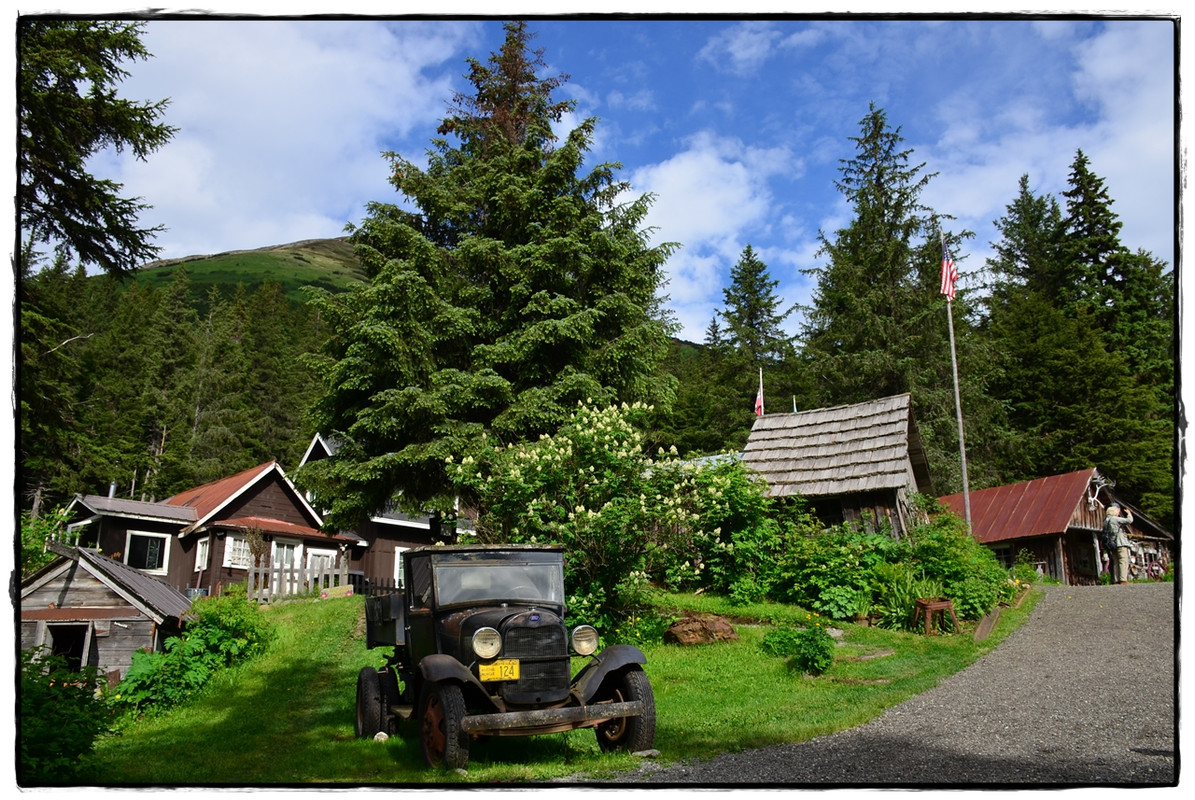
{"points": [[480, 648]]}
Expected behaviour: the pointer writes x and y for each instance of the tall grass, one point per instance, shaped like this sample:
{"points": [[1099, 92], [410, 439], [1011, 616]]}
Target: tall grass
{"points": [[286, 718]]}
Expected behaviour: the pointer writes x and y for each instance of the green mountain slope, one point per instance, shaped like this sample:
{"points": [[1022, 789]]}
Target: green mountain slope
{"points": [[330, 263]]}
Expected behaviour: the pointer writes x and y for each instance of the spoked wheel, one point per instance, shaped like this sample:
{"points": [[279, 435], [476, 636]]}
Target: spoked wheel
{"points": [[370, 721], [630, 733], [443, 741]]}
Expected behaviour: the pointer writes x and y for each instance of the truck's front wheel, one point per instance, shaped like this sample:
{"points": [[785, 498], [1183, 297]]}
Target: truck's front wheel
{"points": [[441, 713], [630, 733], [369, 704]]}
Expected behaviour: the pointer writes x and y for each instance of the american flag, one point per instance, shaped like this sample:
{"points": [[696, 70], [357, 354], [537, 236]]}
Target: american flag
{"points": [[949, 273]]}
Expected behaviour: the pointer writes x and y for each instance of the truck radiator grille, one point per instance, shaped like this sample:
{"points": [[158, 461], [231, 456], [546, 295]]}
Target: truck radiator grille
{"points": [[546, 642], [543, 664]]}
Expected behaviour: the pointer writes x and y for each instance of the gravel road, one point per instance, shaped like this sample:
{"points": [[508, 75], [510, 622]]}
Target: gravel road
{"points": [[1083, 694]]}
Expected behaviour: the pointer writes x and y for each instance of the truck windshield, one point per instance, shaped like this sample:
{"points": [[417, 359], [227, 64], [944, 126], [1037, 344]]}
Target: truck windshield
{"points": [[499, 582]]}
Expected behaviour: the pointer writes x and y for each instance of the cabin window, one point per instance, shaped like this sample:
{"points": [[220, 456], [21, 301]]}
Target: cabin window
{"points": [[321, 559], [147, 551], [284, 554], [203, 553], [236, 553]]}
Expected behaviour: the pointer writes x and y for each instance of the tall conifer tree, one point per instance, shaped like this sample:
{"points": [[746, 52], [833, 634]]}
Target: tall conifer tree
{"points": [[517, 289]]}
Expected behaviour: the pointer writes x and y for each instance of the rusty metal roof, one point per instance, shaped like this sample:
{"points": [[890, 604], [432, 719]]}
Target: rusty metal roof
{"points": [[840, 450], [268, 525], [210, 497], [1032, 508]]}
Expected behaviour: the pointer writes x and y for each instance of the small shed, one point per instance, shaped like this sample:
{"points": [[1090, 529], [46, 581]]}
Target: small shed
{"points": [[852, 463], [97, 612], [1058, 519]]}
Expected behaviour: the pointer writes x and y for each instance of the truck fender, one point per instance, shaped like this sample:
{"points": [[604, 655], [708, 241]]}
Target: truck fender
{"points": [[589, 680], [440, 667]]}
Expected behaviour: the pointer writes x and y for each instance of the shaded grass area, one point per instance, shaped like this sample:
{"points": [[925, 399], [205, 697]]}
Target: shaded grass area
{"points": [[287, 718]]}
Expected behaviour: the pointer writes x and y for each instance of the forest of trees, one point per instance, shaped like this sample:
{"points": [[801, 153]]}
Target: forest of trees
{"points": [[1065, 338]]}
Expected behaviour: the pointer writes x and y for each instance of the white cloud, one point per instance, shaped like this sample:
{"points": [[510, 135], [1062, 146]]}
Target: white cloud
{"points": [[1126, 74], [742, 48], [286, 116], [709, 197]]}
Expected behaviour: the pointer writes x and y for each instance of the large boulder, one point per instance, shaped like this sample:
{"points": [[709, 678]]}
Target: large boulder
{"points": [[700, 630]]}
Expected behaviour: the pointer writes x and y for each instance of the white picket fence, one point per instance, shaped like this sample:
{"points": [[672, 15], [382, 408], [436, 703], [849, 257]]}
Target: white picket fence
{"points": [[275, 581]]}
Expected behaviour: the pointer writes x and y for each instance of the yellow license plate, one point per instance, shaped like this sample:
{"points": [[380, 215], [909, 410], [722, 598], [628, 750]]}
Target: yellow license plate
{"points": [[504, 669]]}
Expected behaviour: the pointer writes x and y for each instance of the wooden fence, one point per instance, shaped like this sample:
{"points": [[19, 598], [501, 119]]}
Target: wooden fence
{"points": [[274, 581]]}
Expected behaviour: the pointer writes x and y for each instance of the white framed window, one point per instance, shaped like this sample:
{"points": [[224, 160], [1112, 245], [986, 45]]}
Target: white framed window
{"points": [[320, 559], [286, 554], [203, 553], [398, 574], [149, 552], [236, 553]]}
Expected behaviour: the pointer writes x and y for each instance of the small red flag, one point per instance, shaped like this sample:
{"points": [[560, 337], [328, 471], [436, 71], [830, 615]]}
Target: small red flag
{"points": [[759, 397]]}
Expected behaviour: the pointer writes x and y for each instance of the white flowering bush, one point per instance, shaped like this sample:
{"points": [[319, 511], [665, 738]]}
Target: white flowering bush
{"points": [[624, 515]]}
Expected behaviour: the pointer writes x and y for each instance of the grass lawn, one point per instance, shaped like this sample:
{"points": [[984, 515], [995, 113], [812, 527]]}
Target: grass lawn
{"points": [[287, 717]]}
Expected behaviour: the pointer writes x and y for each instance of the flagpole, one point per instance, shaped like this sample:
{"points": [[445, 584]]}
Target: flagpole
{"points": [[958, 407]]}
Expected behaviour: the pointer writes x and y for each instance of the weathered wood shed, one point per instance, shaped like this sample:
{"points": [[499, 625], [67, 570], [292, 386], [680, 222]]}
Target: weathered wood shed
{"points": [[1057, 519], [97, 612], [852, 463]]}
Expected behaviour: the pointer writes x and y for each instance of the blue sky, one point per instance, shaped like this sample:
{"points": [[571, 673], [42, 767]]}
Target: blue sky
{"points": [[736, 126]]}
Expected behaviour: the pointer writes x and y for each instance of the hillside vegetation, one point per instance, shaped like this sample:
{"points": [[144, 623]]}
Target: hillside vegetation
{"points": [[329, 263]]}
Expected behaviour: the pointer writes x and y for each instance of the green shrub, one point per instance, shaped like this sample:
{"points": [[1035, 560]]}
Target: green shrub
{"points": [[809, 649], [899, 587], [624, 515], [969, 573], [833, 571], [220, 632], [1024, 569], [61, 716]]}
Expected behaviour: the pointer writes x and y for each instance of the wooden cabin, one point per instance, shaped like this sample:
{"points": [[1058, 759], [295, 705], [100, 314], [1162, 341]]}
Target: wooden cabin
{"points": [[208, 537], [855, 463], [96, 611], [1057, 520]]}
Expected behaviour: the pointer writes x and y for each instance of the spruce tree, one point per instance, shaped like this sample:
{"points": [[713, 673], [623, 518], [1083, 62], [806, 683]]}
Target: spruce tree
{"points": [[870, 305], [54, 331], [516, 289], [752, 312], [68, 110], [1082, 331]]}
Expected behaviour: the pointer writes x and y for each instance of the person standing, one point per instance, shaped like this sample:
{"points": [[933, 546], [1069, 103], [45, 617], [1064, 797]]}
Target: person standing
{"points": [[1116, 538]]}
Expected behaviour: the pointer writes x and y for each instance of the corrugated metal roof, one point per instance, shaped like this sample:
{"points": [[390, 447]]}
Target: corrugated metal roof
{"points": [[268, 525], [159, 596], [210, 497], [1032, 508], [839, 450], [99, 504]]}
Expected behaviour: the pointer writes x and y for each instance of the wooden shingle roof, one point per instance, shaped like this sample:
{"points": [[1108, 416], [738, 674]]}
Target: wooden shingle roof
{"points": [[841, 450]]}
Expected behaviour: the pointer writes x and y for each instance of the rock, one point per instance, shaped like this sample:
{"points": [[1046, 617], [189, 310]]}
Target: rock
{"points": [[700, 630]]}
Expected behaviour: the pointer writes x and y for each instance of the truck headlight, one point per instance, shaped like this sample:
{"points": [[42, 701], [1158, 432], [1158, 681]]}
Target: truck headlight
{"points": [[487, 643], [585, 639]]}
